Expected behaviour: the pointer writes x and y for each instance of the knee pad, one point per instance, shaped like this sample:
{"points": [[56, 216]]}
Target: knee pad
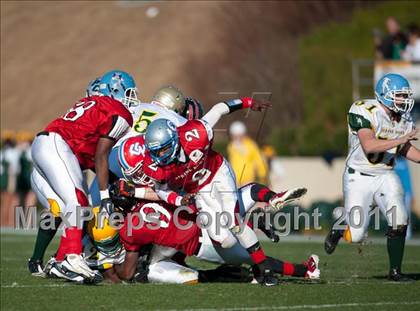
{"points": [[54, 207], [354, 235], [400, 231]]}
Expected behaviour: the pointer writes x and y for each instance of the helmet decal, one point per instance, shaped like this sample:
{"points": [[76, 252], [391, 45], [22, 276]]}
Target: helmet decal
{"points": [[385, 85]]}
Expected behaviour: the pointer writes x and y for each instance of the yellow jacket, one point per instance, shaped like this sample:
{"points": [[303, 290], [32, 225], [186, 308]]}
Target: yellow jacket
{"points": [[247, 162]]}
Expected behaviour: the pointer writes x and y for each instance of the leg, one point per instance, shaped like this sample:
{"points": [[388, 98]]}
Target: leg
{"points": [[168, 271], [55, 161], [390, 199], [163, 269], [358, 197], [49, 200]]}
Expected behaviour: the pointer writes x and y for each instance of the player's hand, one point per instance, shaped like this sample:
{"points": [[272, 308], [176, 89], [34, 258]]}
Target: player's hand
{"points": [[107, 206], [125, 189], [188, 199], [410, 136], [260, 105], [255, 104]]}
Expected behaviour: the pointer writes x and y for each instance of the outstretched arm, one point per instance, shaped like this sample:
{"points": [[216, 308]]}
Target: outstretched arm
{"points": [[224, 108]]}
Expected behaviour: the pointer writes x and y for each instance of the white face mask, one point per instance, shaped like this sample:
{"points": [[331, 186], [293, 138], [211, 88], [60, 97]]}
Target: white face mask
{"points": [[131, 99], [403, 101]]}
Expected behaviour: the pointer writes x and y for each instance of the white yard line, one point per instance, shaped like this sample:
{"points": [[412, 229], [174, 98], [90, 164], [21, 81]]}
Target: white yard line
{"points": [[15, 285], [297, 307], [10, 234]]}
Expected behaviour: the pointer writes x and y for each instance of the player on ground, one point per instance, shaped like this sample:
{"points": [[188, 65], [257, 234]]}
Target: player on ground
{"points": [[169, 236], [81, 139], [379, 130], [182, 159]]}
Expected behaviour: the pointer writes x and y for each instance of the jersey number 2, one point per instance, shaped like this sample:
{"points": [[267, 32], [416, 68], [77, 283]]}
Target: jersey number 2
{"points": [[192, 134], [78, 110]]}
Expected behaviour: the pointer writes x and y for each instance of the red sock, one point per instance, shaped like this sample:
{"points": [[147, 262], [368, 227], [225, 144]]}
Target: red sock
{"points": [[258, 256], [71, 243], [62, 249], [74, 240], [288, 268]]}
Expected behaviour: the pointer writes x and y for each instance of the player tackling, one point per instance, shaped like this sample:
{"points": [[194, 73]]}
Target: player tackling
{"points": [[379, 129], [80, 139]]}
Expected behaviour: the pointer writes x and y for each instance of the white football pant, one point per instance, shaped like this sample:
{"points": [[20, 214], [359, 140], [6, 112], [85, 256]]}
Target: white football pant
{"points": [[57, 178], [216, 202], [164, 270], [360, 192]]}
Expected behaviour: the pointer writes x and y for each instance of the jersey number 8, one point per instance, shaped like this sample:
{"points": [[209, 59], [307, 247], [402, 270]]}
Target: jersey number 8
{"points": [[78, 110]]}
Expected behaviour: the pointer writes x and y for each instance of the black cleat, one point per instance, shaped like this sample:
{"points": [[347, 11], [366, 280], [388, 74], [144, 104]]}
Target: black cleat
{"points": [[36, 268], [268, 279], [396, 276], [264, 274], [332, 239]]}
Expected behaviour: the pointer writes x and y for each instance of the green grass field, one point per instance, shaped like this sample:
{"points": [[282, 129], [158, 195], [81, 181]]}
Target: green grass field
{"points": [[352, 278]]}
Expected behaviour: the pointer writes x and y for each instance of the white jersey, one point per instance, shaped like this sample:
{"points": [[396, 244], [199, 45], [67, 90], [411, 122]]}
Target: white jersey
{"points": [[145, 113], [370, 114]]}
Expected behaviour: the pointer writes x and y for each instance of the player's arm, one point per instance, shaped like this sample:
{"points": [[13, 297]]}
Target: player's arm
{"points": [[112, 276], [101, 161], [224, 108], [411, 152], [126, 270], [371, 144], [101, 167], [172, 197], [111, 130]]}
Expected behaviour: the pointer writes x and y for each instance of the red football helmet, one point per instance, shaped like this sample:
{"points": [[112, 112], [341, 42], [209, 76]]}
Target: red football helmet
{"points": [[131, 154]]}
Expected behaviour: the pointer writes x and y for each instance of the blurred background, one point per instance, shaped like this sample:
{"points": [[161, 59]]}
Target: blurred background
{"points": [[312, 58]]}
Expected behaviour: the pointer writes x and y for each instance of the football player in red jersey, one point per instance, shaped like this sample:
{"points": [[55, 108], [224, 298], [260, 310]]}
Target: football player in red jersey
{"points": [[81, 139], [183, 159], [170, 233]]}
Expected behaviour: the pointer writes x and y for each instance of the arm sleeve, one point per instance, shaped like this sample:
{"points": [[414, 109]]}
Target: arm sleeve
{"points": [[215, 113], [118, 127], [359, 118]]}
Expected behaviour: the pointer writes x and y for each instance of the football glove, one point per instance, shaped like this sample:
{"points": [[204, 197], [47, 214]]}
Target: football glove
{"points": [[107, 205], [126, 189]]}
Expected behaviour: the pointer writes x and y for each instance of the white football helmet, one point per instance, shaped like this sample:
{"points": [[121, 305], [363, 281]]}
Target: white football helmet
{"points": [[170, 97]]}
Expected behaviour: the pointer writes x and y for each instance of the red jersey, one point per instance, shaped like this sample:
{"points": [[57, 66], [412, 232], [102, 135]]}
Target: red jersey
{"points": [[88, 120], [196, 163], [167, 233]]}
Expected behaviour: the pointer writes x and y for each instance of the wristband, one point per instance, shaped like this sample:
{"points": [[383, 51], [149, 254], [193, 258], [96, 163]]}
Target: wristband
{"points": [[140, 193], [104, 194], [234, 105], [178, 201]]}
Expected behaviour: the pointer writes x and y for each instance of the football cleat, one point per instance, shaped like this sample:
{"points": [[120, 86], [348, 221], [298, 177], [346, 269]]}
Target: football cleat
{"points": [[281, 199], [66, 270], [396, 276], [264, 274], [35, 268], [313, 271], [47, 269], [77, 264], [332, 239]]}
